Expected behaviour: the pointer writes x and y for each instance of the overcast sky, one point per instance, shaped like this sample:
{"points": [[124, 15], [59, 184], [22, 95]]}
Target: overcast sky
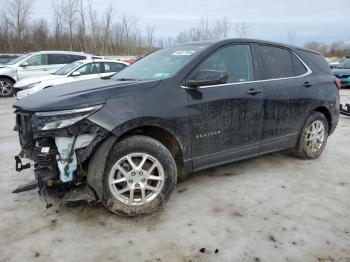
{"points": [[320, 20]]}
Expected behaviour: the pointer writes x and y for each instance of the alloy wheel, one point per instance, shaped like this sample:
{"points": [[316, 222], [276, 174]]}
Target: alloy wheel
{"points": [[315, 136], [5, 88], [136, 179]]}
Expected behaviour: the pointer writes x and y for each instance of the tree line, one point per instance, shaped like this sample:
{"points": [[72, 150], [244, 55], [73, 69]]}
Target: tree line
{"points": [[77, 26]]}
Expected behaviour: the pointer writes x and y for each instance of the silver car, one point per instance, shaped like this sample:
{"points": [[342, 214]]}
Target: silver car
{"points": [[35, 64]]}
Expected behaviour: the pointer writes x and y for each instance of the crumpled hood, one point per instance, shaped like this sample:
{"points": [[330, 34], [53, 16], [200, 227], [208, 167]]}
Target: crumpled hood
{"points": [[79, 94], [31, 80], [339, 71]]}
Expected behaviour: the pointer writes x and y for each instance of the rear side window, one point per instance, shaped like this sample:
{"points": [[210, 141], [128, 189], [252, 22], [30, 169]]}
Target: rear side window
{"points": [[278, 63], [58, 59], [317, 60], [113, 67], [91, 68]]}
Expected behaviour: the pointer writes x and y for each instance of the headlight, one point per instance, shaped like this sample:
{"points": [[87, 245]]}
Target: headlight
{"points": [[66, 118], [34, 84]]}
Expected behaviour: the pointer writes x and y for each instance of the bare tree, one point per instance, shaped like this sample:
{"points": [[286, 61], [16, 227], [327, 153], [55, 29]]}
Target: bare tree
{"points": [[291, 37], [82, 24], [150, 36], [58, 22], [128, 22], [242, 30], [69, 12], [221, 28], [18, 13], [108, 16]]}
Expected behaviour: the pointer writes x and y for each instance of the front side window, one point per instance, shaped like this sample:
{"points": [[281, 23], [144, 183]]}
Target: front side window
{"points": [[161, 64], [278, 63], [37, 60], [68, 68], [235, 60]]}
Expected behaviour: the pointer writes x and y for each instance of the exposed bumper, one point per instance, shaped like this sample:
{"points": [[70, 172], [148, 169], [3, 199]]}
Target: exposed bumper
{"points": [[58, 155]]}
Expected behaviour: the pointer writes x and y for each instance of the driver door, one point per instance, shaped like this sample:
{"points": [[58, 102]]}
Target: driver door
{"points": [[226, 119], [35, 65]]}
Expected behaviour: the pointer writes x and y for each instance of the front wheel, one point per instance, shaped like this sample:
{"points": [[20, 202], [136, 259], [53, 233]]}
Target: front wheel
{"points": [[313, 137], [6, 87], [139, 177]]}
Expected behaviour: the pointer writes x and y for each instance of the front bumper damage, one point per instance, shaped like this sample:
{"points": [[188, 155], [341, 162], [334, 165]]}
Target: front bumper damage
{"points": [[60, 156]]}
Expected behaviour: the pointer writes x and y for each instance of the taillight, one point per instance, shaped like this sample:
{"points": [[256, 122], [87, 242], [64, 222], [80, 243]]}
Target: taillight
{"points": [[338, 83]]}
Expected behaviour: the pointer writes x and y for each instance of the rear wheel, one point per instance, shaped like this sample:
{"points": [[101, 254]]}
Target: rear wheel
{"points": [[313, 137], [139, 177], [6, 87]]}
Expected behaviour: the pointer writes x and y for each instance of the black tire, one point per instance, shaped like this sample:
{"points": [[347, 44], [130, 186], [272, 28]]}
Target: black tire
{"points": [[3, 91], [302, 150], [146, 145]]}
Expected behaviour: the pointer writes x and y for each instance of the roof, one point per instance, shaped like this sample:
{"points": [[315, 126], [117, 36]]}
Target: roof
{"points": [[61, 52], [245, 40], [102, 60]]}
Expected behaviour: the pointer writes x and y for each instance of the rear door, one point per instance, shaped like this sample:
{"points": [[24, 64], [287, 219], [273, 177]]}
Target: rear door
{"points": [[37, 65], [226, 120], [289, 94]]}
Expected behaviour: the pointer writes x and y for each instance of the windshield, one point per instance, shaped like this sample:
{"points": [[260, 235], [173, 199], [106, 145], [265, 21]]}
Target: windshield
{"points": [[66, 69], [161, 64], [345, 64], [18, 59]]}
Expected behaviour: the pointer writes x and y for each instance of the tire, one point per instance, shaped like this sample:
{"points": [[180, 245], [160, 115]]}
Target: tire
{"points": [[118, 168], [306, 148], [6, 87]]}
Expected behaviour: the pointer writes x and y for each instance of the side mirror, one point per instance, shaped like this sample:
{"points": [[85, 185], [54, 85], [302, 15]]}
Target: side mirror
{"points": [[206, 78], [75, 73], [24, 64]]}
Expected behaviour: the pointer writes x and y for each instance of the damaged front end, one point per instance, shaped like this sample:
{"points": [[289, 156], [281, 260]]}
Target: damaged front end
{"points": [[59, 143]]}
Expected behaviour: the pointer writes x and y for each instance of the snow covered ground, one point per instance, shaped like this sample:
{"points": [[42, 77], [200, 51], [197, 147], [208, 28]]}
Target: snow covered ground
{"points": [[270, 208]]}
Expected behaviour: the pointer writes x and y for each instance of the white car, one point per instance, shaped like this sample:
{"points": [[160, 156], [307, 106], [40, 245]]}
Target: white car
{"points": [[76, 71], [35, 64]]}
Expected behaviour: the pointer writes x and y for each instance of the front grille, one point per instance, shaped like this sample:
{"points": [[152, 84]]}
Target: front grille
{"points": [[342, 76]]}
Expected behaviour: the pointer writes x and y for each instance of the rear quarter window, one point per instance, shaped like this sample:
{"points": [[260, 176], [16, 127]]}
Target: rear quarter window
{"points": [[317, 60], [276, 62]]}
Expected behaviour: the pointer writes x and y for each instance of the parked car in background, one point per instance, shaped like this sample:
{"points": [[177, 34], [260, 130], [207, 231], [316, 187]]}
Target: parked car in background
{"points": [[5, 58], [342, 72], [332, 63], [127, 140], [35, 64], [76, 71]]}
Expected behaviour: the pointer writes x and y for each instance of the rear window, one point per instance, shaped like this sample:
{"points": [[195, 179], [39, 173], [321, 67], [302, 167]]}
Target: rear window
{"points": [[278, 63], [317, 60], [113, 67]]}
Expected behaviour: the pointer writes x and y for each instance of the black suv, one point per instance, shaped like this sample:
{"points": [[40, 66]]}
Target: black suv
{"points": [[127, 140]]}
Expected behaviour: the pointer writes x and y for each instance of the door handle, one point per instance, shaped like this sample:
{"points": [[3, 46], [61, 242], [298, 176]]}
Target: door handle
{"points": [[253, 91], [307, 84]]}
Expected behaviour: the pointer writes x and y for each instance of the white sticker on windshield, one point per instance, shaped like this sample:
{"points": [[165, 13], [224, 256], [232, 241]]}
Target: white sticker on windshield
{"points": [[184, 52]]}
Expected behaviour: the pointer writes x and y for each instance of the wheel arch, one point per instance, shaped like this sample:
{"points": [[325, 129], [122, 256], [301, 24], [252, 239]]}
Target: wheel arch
{"points": [[8, 77], [324, 110], [164, 136]]}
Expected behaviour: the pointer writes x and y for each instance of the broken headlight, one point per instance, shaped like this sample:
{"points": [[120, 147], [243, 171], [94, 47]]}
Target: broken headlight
{"points": [[65, 118]]}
